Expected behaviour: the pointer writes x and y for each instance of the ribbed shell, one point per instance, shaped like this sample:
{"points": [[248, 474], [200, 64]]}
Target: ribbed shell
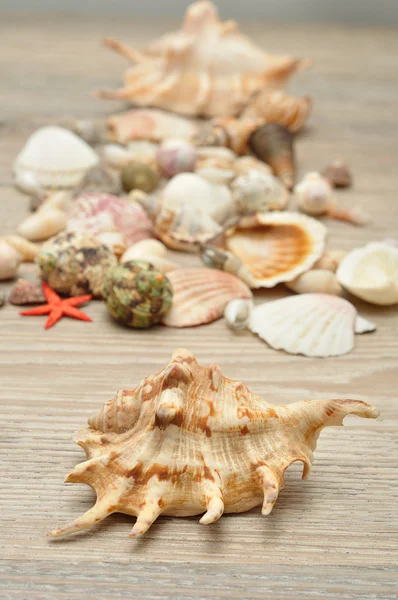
{"points": [[201, 295], [188, 441]]}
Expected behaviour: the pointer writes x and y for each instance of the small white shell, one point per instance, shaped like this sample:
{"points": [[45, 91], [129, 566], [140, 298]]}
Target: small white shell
{"points": [[27, 250], [176, 156], [43, 224], [371, 273], [9, 261], [316, 281], [257, 191], [237, 313], [314, 194]]}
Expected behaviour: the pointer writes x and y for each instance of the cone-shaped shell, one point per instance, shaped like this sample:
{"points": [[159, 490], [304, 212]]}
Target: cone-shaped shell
{"points": [[189, 441], [201, 295], [273, 143], [277, 247]]}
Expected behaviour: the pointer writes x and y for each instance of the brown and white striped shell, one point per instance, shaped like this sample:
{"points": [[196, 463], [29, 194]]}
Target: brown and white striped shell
{"points": [[189, 441]]}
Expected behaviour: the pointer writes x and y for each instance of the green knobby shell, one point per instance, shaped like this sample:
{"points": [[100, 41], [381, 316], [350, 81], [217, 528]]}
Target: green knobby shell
{"points": [[137, 295], [137, 176]]}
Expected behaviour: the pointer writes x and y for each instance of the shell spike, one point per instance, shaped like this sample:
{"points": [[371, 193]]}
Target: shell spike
{"points": [[145, 518], [101, 509], [214, 505], [271, 485], [170, 408], [124, 50]]}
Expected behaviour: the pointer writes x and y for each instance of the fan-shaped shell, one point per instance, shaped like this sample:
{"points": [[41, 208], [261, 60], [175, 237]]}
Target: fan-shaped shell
{"points": [[207, 68], [277, 247], [201, 295], [150, 124], [317, 325], [188, 441], [56, 157]]}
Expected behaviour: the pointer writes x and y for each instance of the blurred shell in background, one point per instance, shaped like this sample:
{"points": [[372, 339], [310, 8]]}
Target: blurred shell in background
{"points": [[150, 124], [273, 144], [176, 156], [9, 261], [258, 192]]}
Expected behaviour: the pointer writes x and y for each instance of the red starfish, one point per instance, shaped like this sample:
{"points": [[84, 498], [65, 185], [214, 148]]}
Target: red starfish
{"points": [[57, 307]]}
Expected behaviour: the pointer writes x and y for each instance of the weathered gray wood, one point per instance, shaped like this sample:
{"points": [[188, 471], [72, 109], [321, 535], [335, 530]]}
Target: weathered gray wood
{"points": [[334, 536]]}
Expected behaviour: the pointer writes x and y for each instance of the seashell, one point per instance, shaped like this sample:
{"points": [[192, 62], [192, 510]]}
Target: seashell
{"points": [[28, 183], [317, 325], [9, 261], [206, 69], [56, 157], [43, 224], [189, 441], [98, 179], [62, 200], [114, 240], [120, 156], [188, 211], [75, 264], [215, 175], [371, 273], [315, 197], [215, 258], [92, 131], [277, 247], [137, 295], [338, 175], [149, 124], [273, 143], [316, 281], [24, 293], [245, 164], [176, 156], [232, 133], [363, 325], [258, 192], [99, 213], [25, 249], [138, 176], [330, 260], [215, 164], [237, 313], [225, 156], [153, 252], [201, 295], [275, 106]]}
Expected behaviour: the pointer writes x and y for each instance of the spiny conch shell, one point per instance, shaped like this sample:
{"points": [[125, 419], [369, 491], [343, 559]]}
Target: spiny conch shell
{"points": [[275, 106], [315, 197], [215, 258], [176, 156], [152, 251], [24, 293], [43, 224], [371, 273], [187, 211], [316, 281], [237, 313], [26, 249], [120, 156], [99, 213], [317, 325], [258, 192], [113, 240], [330, 260], [201, 295], [136, 294], [276, 247], [9, 261], [206, 69], [338, 175], [273, 143], [245, 164], [56, 157], [153, 125], [189, 441]]}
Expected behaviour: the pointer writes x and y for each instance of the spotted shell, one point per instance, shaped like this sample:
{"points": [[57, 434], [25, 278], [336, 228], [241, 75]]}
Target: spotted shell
{"points": [[137, 295]]}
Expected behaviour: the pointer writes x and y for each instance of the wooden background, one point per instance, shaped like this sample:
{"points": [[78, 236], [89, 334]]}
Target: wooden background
{"points": [[334, 536]]}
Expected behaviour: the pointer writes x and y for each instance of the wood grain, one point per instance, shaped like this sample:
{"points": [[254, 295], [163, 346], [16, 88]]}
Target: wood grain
{"points": [[334, 536]]}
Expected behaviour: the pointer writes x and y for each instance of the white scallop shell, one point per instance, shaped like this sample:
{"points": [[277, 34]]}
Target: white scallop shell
{"points": [[371, 273], [56, 157], [316, 325]]}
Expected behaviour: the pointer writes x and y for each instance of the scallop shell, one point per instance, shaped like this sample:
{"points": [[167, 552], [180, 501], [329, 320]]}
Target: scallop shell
{"points": [[277, 247], [150, 124], [201, 295], [56, 157], [371, 273], [258, 192], [317, 325], [206, 69], [189, 441], [99, 213], [275, 106]]}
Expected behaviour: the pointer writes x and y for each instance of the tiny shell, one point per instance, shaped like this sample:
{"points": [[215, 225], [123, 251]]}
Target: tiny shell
{"points": [[176, 156], [237, 313], [371, 273], [338, 175], [56, 157], [258, 192], [26, 249], [201, 295], [138, 176], [137, 295], [43, 224], [9, 261], [330, 260], [277, 247], [24, 292], [316, 281], [75, 264], [149, 124], [273, 143], [317, 325]]}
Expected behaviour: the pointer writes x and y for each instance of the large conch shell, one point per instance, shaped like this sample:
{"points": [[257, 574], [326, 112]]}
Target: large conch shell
{"points": [[208, 68], [189, 441]]}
